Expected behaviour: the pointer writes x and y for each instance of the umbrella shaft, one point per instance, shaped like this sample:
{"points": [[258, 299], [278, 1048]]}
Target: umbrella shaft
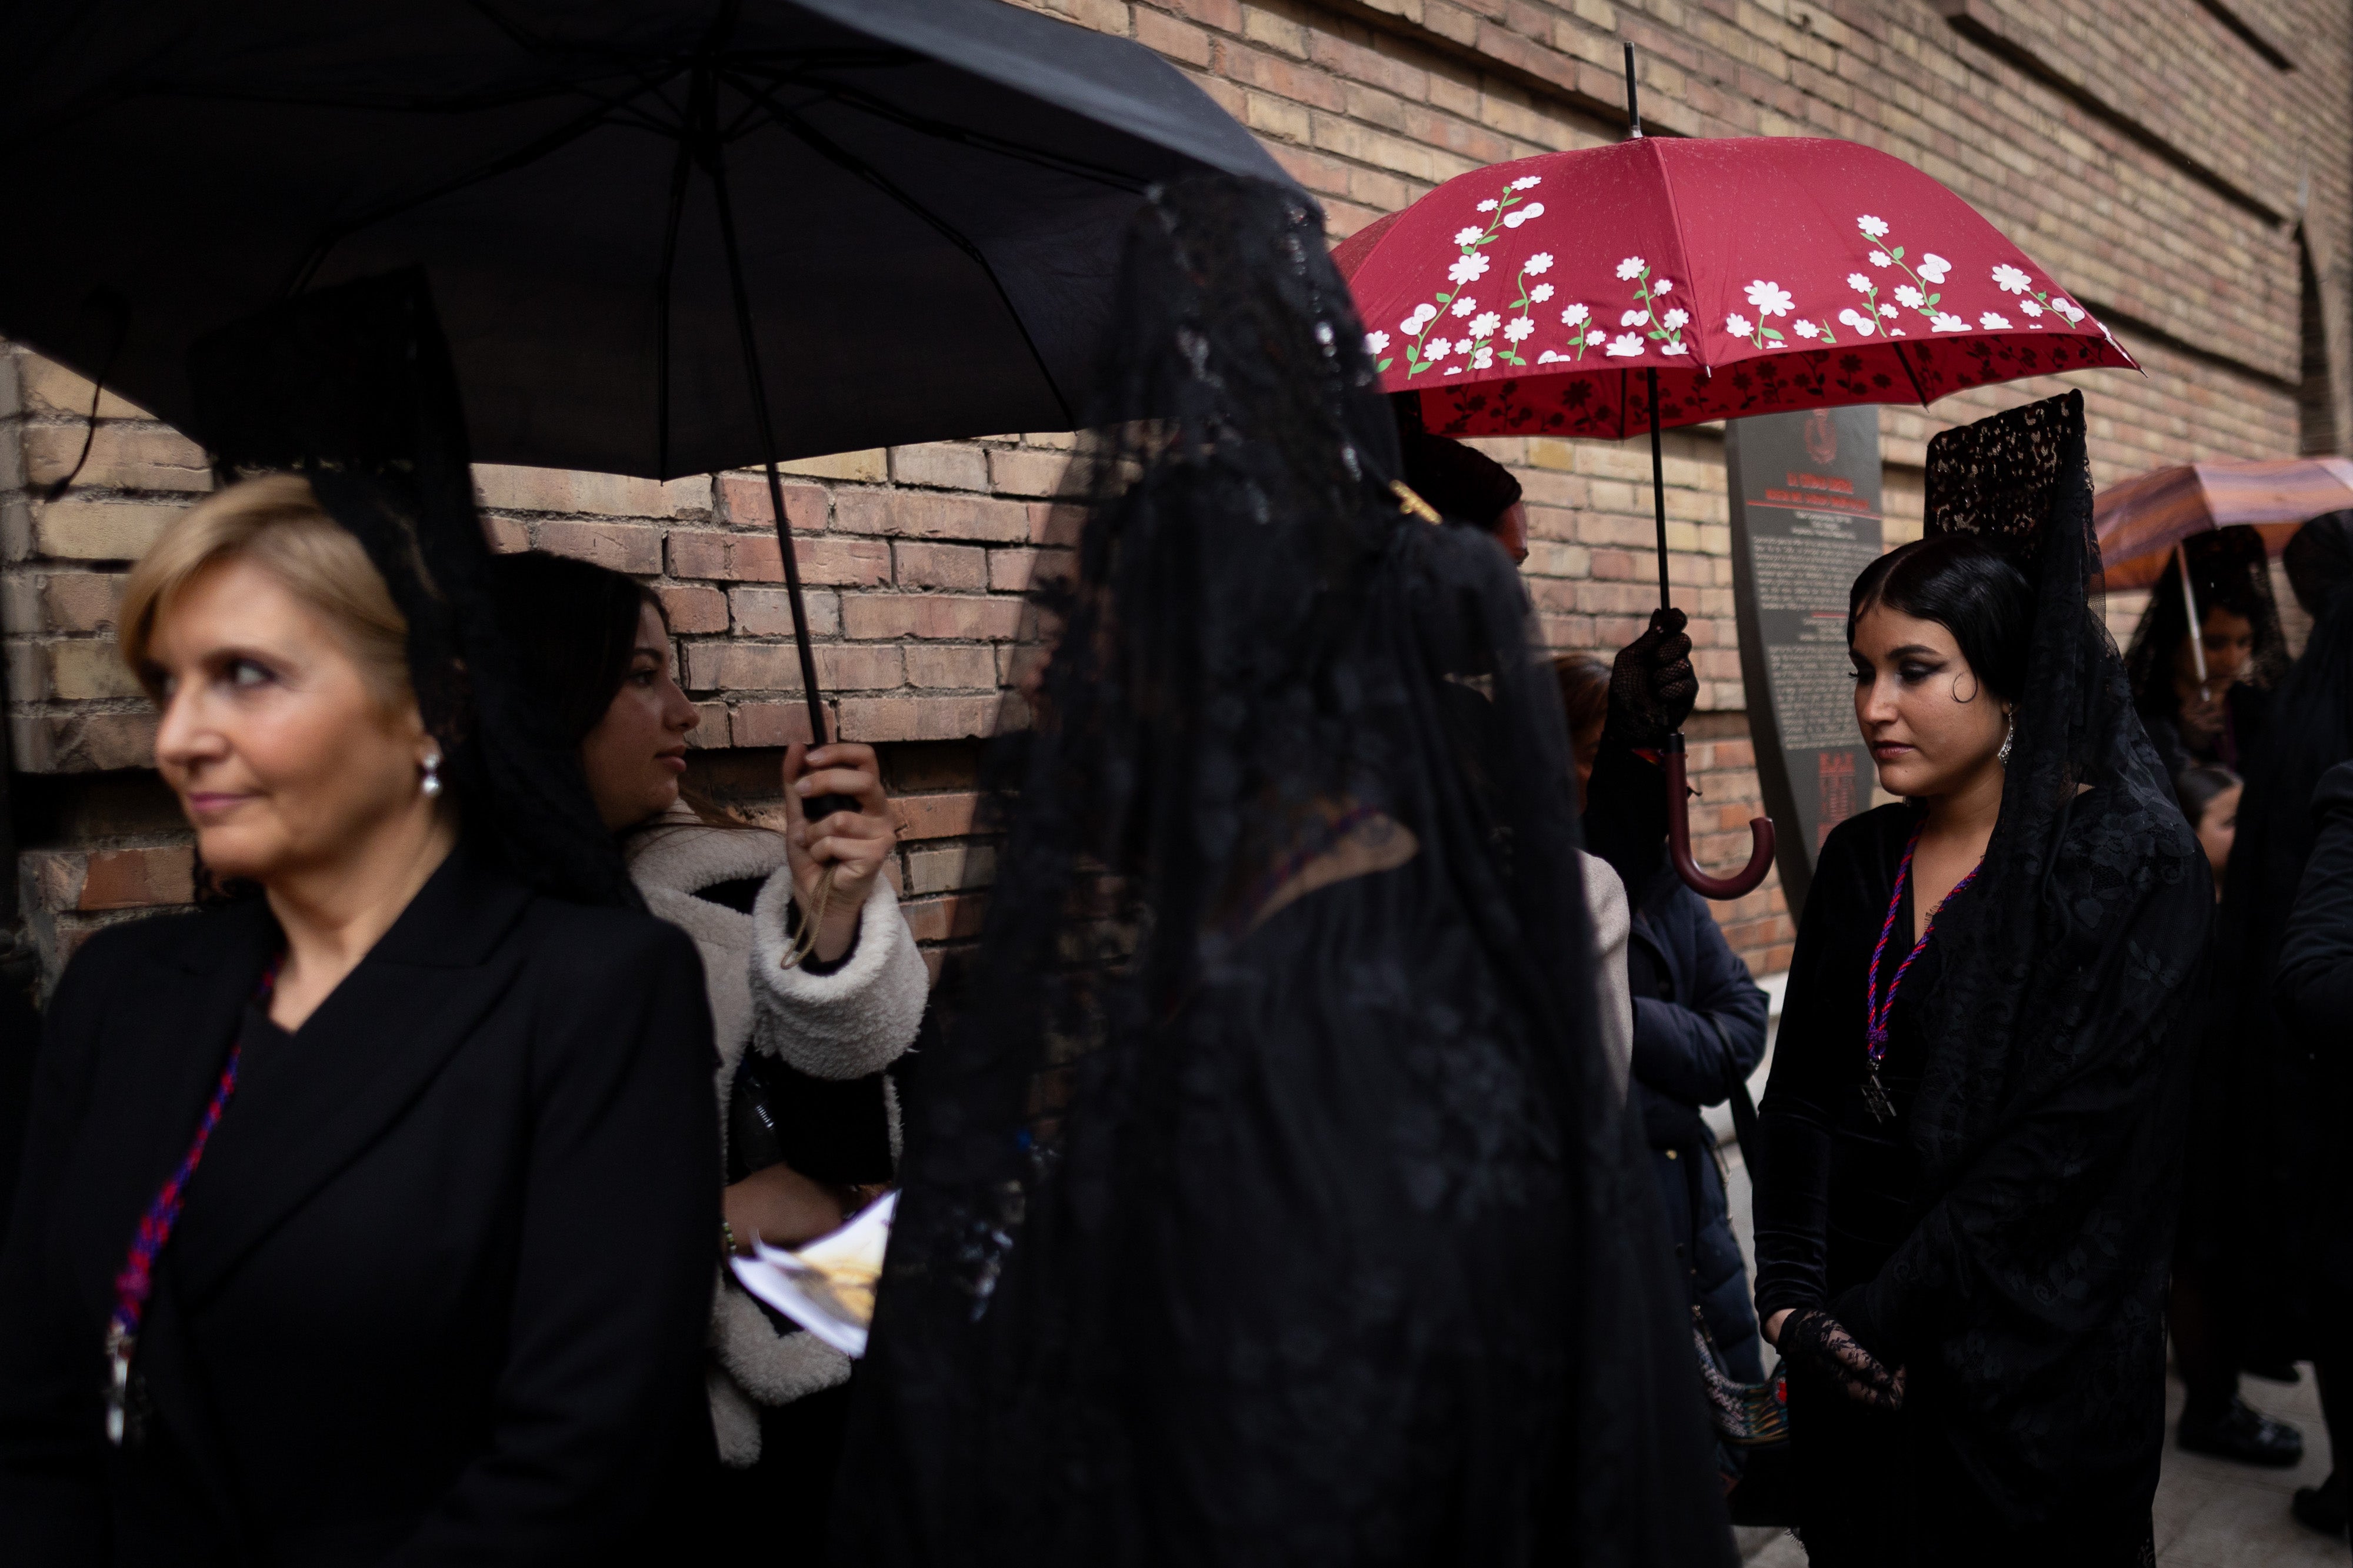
{"points": [[759, 387], [1659, 492], [2190, 603]]}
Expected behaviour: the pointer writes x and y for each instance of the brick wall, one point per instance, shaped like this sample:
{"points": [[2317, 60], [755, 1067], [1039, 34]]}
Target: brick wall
{"points": [[2155, 154]]}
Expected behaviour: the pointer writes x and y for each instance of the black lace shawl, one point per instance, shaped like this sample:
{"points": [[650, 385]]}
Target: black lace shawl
{"points": [[2026, 1302], [1124, 1315], [353, 387]]}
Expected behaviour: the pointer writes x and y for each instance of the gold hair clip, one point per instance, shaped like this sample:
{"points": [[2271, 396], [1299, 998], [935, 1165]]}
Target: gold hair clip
{"points": [[1412, 504]]}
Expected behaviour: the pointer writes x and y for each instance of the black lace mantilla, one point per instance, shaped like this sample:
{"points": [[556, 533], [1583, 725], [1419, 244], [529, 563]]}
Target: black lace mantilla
{"points": [[2026, 1304]]}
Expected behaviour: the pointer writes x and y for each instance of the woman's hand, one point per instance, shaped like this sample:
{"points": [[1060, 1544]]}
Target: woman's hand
{"points": [[780, 1206], [1815, 1342], [853, 843]]}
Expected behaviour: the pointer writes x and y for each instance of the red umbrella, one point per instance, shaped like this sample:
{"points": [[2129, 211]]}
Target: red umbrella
{"points": [[2140, 520], [1754, 274], [1748, 275]]}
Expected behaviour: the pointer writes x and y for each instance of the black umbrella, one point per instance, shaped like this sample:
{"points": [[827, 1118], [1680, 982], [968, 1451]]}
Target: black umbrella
{"points": [[900, 218]]}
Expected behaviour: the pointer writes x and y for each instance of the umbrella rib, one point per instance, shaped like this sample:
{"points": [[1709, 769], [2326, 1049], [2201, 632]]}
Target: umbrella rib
{"points": [[530, 151], [1900, 358], [844, 158]]}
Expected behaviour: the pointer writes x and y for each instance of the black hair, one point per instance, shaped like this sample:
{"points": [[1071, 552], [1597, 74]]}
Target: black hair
{"points": [[2198, 787], [1459, 480], [574, 626], [1965, 586], [2229, 571]]}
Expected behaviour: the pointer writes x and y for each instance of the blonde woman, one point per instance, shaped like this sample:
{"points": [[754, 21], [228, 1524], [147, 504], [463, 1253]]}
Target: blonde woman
{"points": [[368, 1215]]}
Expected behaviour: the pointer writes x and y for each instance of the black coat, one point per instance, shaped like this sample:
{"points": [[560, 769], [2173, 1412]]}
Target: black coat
{"points": [[2315, 996], [1699, 1032], [439, 1287]]}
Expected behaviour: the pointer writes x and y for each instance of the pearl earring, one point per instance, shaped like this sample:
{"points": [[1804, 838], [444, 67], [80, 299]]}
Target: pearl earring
{"points": [[431, 784]]}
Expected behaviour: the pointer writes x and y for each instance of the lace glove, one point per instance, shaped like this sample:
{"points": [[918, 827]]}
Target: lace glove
{"points": [[1652, 684], [1815, 1342]]}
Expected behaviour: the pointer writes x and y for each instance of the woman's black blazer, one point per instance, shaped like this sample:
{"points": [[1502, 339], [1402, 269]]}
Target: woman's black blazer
{"points": [[439, 1287]]}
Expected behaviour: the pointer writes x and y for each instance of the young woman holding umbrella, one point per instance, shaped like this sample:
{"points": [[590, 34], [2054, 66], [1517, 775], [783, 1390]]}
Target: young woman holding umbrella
{"points": [[1972, 1137], [2202, 701], [815, 987]]}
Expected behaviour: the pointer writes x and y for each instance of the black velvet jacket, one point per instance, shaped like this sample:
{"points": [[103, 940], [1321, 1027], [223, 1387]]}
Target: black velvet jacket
{"points": [[438, 1289]]}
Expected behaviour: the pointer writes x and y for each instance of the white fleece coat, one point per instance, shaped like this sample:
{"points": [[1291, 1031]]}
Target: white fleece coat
{"points": [[846, 1024]]}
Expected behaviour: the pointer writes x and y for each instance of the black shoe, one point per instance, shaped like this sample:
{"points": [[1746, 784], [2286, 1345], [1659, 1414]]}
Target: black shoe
{"points": [[2322, 1507], [2245, 1435]]}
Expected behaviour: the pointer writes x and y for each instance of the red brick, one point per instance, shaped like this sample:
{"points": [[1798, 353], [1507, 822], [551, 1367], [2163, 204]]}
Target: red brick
{"points": [[743, 503], [935, 616], [1026, 473], [955, 667], [923, 816], [138, 878], [940, 566], [776, 667], [770, 723], [1055, 524], [921, 514], [1018, 570], [751, 557], [941, 465], [690, 609], [875, 719], [623, 546], [79, 600], [768, 612]]}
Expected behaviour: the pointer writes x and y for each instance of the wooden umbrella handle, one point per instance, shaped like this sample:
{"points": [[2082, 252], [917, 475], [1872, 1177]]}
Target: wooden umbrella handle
{"points": [[1760, 835]]}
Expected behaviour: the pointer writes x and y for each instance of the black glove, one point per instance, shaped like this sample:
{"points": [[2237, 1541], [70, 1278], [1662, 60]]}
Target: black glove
{"points": [[1815, 1343], [1652, 684]]}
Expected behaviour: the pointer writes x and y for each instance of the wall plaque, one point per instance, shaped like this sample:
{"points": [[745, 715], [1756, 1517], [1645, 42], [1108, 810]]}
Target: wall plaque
{"points": [[1805, 521]]}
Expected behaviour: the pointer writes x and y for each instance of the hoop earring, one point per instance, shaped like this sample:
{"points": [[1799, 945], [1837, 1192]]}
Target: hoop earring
{"points": [[2009, 734], [430, 785]]}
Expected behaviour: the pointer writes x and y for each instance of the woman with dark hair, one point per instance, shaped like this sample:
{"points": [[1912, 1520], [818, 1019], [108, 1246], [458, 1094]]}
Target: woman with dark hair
{"points": [[807, 1018], [1971, 1138], [2206, 704], [1269, 1200], [364, 1213]]}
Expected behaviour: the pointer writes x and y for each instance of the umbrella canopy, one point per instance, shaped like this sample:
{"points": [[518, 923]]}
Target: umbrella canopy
{"points": [[1755, 275], [2140, 520], [929, 196]]}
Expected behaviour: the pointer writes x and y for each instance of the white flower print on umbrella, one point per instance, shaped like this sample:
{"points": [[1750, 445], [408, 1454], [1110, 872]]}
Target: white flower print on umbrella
{"points": [[1540, 293], [1634, 317], [1576, 316], [1933, 267], [1740, 326], [1770, 298], [1471, 265], [1861, 325], [2009, 279], [1625, 347], [1806, 329], [1908, 296], [1674, 320], [1539, 264], [1516, 331], [1630, 268], [1874, 226], [1438, 347], [1374, 343], [1994, 321], [1919, 296], [1484, 359], [1647, 291], [1945, 321], [1677, 347], [2068, 308], [1859, 283], [1663, 286], [2031, 308], [1423, 314], [1486, 325], [1880, 259]]}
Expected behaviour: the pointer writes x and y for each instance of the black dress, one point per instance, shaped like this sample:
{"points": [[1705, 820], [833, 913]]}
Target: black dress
{"points": [[1845, 1191]]}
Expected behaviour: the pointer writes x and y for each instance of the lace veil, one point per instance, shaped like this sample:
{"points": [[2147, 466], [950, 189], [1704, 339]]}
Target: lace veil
{"points": [[1123, 1285], [2228, 566]]}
